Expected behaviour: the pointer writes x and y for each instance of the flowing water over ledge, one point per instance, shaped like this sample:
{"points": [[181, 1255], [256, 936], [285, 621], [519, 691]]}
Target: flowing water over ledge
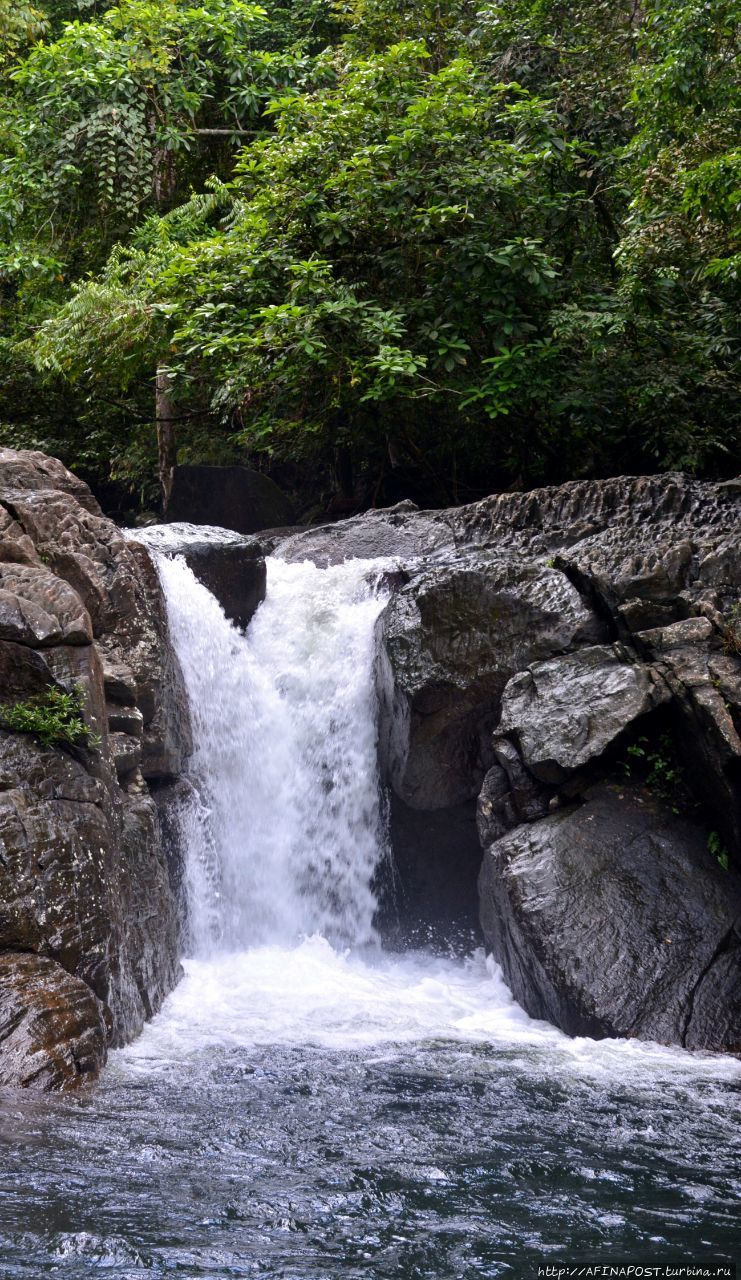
{"points": [[307, 1106]]}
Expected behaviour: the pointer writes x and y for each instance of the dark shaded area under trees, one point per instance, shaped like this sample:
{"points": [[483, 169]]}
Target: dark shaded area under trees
{"points": [[379, 249]]}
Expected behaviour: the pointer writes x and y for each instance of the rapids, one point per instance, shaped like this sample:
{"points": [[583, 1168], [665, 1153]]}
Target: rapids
{"points": [[310, 1106]]}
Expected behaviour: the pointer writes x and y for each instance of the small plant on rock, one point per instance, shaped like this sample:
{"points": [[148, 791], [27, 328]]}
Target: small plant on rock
{"points": [[718, 850], [54, 717], [731, 630]]}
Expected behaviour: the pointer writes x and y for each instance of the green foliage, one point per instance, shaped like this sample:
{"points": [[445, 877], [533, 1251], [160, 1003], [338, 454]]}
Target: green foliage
{"points": [[655, 763], [54, 717], [718, 850], [485, 243], [731, 631]]}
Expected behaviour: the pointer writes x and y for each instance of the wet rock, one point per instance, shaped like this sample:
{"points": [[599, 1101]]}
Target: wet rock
{"points": [[53, 1032], [567, 711], [529, 798], [39, 609], [28, 469], [495, 808], [232, 566], [705, 685], [24, 673], [228, 497], [84, 887], [432, 899], [127, 754], [613, 920], [452, 639], [401, 531]]}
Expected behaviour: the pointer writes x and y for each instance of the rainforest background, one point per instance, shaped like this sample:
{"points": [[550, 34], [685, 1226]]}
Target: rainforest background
{"points": [[376, 248]]}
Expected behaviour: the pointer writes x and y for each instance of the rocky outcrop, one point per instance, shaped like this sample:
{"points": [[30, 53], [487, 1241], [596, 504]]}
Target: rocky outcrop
{"points": [[537, 645], [230, 565], [401, 531], [563, 713], [612, 919], [453, 637], [53, 1030], [229, 498], [88, 922]]}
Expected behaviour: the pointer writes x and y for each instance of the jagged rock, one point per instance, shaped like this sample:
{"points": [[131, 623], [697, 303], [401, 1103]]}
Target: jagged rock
{"points": [[84, 889], [452, 639], [392, 531], [567, 711], [530, 800], [231, 565], [38, 609], [495, 808], [613, 920], [229, 498], [705, 683], [83, 879], [53, 1032], [24, 673], [126, 752], [28, 469]]}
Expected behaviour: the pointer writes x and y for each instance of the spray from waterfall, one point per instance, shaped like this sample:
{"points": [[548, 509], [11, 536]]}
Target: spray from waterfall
{"points": [[283, 828]]}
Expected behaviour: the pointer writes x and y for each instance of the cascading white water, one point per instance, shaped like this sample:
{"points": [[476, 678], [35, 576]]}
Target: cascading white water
{"points": [[283, 832], [284, 827]]}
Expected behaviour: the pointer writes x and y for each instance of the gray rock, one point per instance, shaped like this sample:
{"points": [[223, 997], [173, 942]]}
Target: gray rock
{"points": [[613, 920], [452, 639], [39, 609], [400, 531], [529, 799], [705, 684], [85, 894], [495, 808], [231, 565], [30, 470], [567, 711]]}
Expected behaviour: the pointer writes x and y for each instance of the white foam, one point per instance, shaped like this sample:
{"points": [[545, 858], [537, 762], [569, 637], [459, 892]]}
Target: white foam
{"points": [[283, 833]]}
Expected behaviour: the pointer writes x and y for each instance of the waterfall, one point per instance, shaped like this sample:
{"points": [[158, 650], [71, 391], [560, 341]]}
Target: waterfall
{"points": [[283, 828]]}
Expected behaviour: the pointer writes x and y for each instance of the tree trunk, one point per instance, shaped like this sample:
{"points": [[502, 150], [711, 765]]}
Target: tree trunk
{"points": [[166, 447]]}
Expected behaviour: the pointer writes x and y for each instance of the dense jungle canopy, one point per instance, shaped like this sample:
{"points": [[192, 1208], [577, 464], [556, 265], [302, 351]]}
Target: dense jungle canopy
{"points": [[379, 248]]}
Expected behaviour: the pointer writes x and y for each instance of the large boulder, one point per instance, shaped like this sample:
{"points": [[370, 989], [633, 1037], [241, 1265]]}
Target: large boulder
{"points": [[229, 498], [567, 711], [452, 638], [231, 565], [612, 919], [401, 532], [85, 896]]}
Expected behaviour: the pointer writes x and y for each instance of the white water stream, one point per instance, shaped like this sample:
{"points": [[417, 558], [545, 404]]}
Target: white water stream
{"points": [[284, 831]]}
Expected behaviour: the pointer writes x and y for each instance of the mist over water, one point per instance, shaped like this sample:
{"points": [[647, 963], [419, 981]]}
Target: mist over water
{"points": [[308, 1106]]}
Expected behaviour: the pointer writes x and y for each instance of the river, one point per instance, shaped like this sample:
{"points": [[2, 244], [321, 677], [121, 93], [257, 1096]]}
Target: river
{"points": [[308, 1105]]}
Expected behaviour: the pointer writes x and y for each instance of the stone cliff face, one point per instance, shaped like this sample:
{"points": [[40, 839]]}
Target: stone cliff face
{"points": [[559, 672], [88, 923]]}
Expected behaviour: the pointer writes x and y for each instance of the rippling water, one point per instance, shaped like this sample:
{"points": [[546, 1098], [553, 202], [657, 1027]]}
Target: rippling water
{"points": [[305, 1111], [302, 1114]]}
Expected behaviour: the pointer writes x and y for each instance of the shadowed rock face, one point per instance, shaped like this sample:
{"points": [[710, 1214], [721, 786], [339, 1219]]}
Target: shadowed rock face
{"points": [[231, 565], [613, 920], [228, 497], [453, 637], [529, 636], [84, 890]]}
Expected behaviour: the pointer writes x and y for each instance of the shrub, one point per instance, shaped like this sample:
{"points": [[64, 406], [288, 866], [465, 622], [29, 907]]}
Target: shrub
{"points": [[54, 717]]}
